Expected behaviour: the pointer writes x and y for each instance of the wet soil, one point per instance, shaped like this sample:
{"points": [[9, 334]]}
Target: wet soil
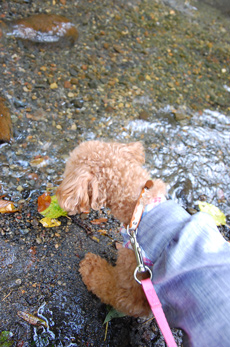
{"points": [[141, 70]]}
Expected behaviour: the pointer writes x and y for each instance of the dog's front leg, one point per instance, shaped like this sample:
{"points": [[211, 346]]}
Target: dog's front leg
{"points": [[98, 276], [115, 285]]}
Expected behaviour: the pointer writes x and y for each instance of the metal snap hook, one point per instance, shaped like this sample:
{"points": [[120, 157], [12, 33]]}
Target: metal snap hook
{"points": [[140, 270]]}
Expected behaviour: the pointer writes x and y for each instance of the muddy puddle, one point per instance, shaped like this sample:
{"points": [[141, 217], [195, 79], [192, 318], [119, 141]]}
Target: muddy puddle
{"points": [[150, 71]]}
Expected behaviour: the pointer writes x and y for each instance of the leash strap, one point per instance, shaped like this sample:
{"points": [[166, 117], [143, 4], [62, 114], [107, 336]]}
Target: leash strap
{"points": [[147, 285], [158, 312]]}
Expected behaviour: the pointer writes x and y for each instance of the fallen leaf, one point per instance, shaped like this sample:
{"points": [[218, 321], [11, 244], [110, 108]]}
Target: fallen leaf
{"points": [[39, 162], [48, 206], [31, 319], [50, 222], [94, 238], [43, 202], [113, 314], [99, 221], [102, 231], [7, 207], [213, 211], [6, 339], [6, 132]]}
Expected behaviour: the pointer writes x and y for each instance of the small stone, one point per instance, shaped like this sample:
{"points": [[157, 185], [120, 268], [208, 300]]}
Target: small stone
{"points": [[144, 115], [73, 127], [18, 281], [53, 85], [74, 80], [118, 49], [67, 84], [20, 188], [191, 210], [33, 176], [38, 240], [84, 216], [93, 84], [78, 103]]}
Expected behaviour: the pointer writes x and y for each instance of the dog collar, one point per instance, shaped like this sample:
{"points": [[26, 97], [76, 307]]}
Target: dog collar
{"points": [[139, 208]]}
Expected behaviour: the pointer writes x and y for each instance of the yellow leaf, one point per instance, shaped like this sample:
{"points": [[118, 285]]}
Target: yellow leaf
{"points": [[213, 211], [95, 239], [7, 207], [50, 222]]}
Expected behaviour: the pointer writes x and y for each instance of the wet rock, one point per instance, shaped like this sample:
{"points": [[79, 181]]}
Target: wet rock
{"points": [[144, 115], [93, 84], [74, 80], [44, 28], [6, 132], [78, 103], [180, 114]]}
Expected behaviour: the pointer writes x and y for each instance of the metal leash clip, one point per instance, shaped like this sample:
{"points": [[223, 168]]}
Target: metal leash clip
{"points": [[141, 267]]}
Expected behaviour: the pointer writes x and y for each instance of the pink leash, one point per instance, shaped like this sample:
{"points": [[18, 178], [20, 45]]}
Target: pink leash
{"points": [[158, 312], [147, 285]]}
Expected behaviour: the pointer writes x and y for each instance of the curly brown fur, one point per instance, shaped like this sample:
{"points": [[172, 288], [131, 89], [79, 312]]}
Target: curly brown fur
{"points": [[109, 174], [115, 285]]}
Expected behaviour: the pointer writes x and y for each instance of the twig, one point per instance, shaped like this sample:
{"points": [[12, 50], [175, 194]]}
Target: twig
{"points": [[81, 224], [7, 295], [106, 330]]}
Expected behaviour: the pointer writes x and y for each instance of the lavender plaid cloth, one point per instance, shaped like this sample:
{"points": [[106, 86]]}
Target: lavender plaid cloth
{"points": [[191, 272]]}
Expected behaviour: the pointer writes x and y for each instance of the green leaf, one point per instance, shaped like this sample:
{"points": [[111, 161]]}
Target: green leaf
{"points": [[54, 210], [5, 339], [113, 314], [213, 211]]}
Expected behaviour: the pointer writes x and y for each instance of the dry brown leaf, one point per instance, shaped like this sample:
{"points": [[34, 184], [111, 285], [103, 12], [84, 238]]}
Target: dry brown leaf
{"points": [[31, 319], [6, 132], [99, 221]]}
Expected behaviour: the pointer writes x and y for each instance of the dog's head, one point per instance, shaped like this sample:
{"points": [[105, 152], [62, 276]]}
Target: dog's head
{"points": [[90, 171], [79, 190]]}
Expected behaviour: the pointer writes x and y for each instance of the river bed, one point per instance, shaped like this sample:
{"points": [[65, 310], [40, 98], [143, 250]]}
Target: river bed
{"points": [[140, 71]]}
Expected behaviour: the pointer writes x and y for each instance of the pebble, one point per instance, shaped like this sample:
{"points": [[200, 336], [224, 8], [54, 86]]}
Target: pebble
{"points": [[20, 188], [53, 85], [18, 281]]}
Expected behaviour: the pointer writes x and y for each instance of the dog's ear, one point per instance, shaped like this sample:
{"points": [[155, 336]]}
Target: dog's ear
{"points": [[79, 191], [134, 151]]}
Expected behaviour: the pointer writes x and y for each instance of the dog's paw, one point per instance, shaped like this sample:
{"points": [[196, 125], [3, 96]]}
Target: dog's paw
{"points": [[91, 269]]}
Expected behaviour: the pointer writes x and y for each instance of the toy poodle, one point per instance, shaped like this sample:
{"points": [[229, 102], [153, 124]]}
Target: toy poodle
{"points": [[100, 174]]}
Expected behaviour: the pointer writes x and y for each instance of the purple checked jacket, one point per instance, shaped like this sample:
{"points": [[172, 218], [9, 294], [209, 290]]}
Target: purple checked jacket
{"points": [[191, 272]]}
